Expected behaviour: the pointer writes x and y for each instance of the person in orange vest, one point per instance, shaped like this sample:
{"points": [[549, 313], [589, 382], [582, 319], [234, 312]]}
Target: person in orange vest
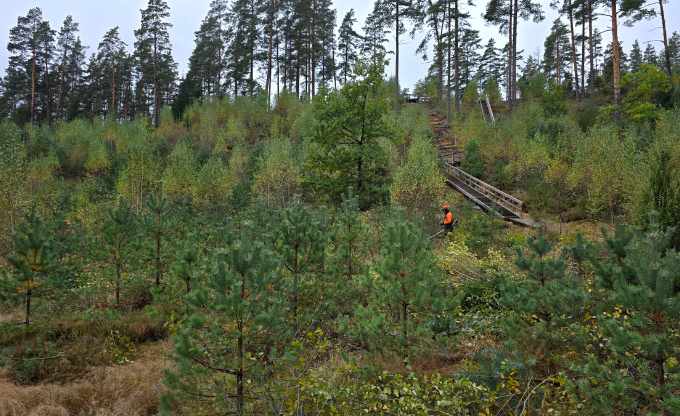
{"points": [[448, 222]]}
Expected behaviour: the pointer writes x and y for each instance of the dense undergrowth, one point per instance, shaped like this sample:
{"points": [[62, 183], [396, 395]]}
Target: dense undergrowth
{"points": [[243, 250]]}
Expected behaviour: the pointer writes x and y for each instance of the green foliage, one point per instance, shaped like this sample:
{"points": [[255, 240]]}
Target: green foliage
{"points": [[552, 100], [419, 183], [644, 87], [180, 174], [403, 292], [300, 241], [221, 350], [661, 192], [279, 173], [348, 127], [472, 162], [639, 333], [36, 269], [119, 244]]}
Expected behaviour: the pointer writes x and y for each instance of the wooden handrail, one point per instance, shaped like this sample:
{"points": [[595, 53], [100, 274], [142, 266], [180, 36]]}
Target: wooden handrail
{"points": [[499, 197]]}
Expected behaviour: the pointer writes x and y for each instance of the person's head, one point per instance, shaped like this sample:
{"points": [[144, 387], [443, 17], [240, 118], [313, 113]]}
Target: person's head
{"points": [[445, 209]]}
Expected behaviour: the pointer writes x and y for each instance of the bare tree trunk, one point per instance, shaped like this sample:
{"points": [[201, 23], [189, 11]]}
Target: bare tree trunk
{"points": [[665, 39], [448, 65], [269, 62], [514, 56], [508, 86], [61, 83], [583, 56], [592, 52], [113, 84], [456, 60], [396, 58], [155, 79], [615, 48], [28, 305], [47, 93], [573, 51], [33, 91], [558, 72]]}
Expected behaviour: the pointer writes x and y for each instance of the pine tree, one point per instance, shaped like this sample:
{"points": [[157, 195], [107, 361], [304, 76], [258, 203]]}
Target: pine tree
{"points": [[638, 333], [505, 13], [157, 225], [556, 55], [375, 33], [36, 270], [300, 240], [110, 55], [395, 13], [569, 9], [119, 238], [152, 49], [404, 295], [66, 46], [237, 314], [348, 42], [24, 44]]}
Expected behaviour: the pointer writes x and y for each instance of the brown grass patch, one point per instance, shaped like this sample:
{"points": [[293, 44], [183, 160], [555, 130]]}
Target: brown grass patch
{"points": [[131, 389]]}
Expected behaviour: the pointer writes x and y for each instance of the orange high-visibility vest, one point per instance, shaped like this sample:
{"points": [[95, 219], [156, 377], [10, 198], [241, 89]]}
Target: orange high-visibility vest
{"points": [[448, 219]]}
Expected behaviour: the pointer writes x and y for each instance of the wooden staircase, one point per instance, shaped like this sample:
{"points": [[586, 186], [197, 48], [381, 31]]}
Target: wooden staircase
{"points": [[487, 197]]}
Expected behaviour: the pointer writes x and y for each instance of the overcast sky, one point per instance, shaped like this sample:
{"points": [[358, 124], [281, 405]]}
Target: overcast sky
{"points": [[97, 16]]}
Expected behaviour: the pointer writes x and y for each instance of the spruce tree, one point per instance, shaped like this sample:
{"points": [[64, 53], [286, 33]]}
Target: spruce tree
{"points": [[226, 348], [661, 193], [635, 57]]}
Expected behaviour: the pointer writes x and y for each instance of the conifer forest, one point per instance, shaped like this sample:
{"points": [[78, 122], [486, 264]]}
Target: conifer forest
{"points": [[260, 230]]}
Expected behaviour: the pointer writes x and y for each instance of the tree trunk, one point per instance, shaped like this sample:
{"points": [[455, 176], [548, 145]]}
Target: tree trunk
{"points": [[448, 64], [155, 79], [508, 86], [615, 50], [269, 61], [118, 281], [665, 39], [513, 69], [396, 57], [573, 50], [558, 73], [33, 92], [592, 52], [61, 84], [28, 303], [456, 60], [113, 84], [583, 56], [47, 92]]}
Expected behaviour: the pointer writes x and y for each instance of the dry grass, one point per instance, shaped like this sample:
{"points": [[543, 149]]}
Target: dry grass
{"points": [[131, 389]]}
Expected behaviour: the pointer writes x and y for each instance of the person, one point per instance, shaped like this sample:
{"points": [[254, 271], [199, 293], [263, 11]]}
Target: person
{"points": [[448, 220]]}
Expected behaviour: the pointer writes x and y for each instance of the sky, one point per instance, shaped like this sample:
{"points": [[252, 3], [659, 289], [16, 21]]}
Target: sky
{"points": [[97, 16]]}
